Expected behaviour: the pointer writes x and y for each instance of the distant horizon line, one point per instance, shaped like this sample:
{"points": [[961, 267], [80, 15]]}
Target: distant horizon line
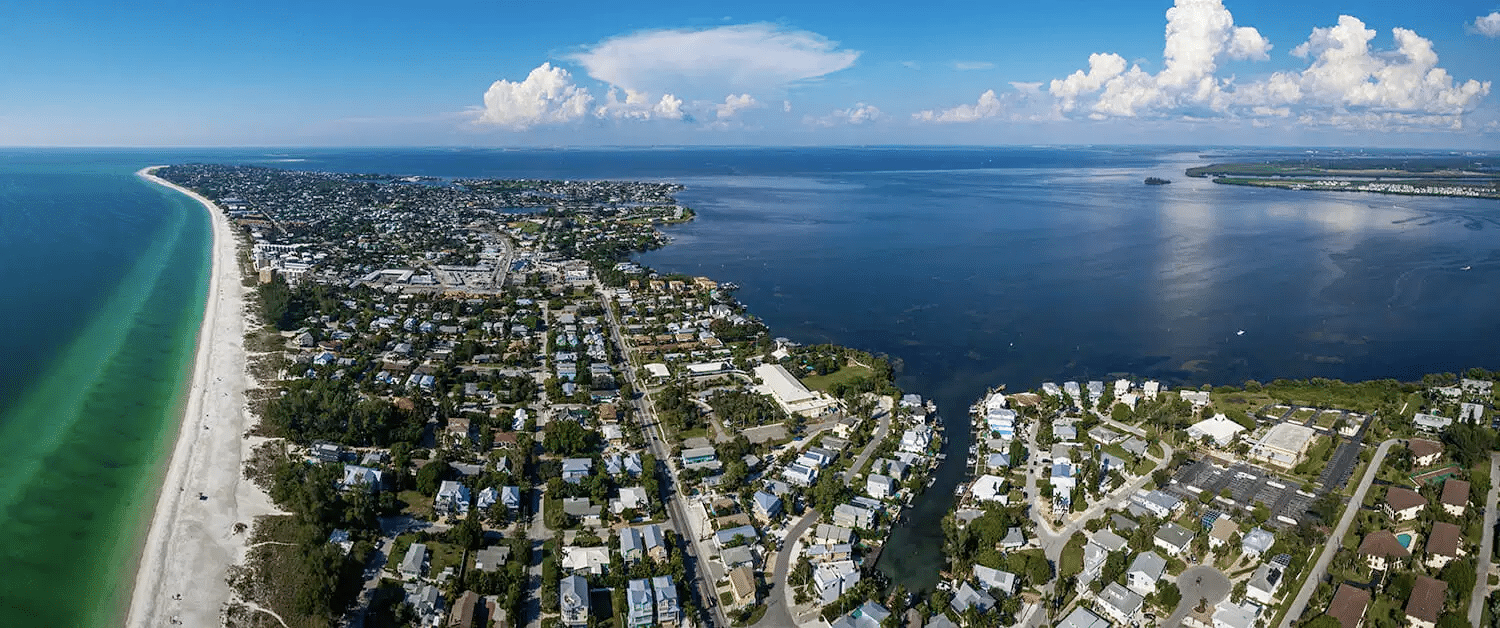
{"points": [[645, 147]]}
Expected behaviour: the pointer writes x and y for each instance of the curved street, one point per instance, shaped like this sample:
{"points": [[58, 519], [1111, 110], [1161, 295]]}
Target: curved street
{"points": [[1198, 583], [779, 601]]}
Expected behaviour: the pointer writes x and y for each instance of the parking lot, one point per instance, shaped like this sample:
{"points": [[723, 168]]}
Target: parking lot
{"points": [[1247, 485]]}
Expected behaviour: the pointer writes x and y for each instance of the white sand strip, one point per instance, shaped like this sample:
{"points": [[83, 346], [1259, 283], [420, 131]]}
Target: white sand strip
{"points": [[192, 541]]}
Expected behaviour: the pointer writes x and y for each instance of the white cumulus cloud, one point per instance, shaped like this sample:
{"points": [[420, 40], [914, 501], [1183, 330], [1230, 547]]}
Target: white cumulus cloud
{"points": [[1488, 25], [860, 113], [1345, 84], [547, 96], [733, 104], [639, 106], [988, 106], [1346, 74], [739, 58]]}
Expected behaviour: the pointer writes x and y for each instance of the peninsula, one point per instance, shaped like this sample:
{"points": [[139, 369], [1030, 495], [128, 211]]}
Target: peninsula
{"points": [[468, 405], [1473, 177]]}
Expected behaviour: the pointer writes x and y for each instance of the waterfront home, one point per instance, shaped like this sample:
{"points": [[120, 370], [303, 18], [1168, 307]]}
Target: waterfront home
{"points": [[1173, 538], [573, 601], [880, 486], [1403, 504], [1470, 412], [640, 605], [1443, 544], [1348, 605], [452, 499], [1455, 498], [742, 587], [916, 440], [414, 562], [1263, 583], [1428, 596], [989, 488], [853, 516], [1096, 390], [1476, 387], [831, 580], [1150, 389], [995, 579], [997, 462], [1198, 398], [1144, 572], [868, 615], [825, 534], [1120, 603], [967, 597], [826, 553], [1051, 389], [1381, 550]]}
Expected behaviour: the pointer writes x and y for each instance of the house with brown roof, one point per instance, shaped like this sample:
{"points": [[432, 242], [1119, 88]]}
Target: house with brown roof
{"points": [[1381, 550], [1424, 453], [1348, 606], [1455, 497], [1426, 602], [742, 586], [465, 610], [1443, 544], [1403, 504]]}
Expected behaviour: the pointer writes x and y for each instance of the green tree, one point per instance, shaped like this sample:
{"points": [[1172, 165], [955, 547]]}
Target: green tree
{"points": [[1169, 595]]}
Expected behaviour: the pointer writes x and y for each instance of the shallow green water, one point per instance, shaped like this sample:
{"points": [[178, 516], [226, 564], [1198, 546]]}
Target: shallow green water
{"points": [[104, 283]]}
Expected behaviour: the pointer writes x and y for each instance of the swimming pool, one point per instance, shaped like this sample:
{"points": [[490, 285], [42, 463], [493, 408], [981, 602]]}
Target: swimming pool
{"points": [[1404, 539]]}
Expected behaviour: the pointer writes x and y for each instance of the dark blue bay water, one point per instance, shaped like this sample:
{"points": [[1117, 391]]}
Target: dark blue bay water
{"points": [[972, 267]]}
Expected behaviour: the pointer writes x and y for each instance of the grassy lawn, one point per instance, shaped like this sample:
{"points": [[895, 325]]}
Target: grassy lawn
{"points": [[1297, 586], [1071, 561], [1155, 449], [444, 555], [847, 374], [1245, 401], [1326, 419], [1301, 416], [417, 504]]}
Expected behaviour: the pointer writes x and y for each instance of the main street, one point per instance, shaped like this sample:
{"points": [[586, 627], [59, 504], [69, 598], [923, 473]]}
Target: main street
{"points": [[677, 515], [1336, 539]]}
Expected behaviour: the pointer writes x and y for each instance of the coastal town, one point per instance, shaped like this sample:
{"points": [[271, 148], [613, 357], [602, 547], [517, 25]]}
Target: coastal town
{"points": [[475, 410]]}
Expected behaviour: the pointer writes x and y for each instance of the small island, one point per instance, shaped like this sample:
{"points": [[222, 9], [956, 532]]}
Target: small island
{"points": [[1157, 181]]}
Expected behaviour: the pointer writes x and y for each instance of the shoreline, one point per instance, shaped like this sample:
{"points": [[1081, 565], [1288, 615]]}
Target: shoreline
{"points": [[191, 542]]}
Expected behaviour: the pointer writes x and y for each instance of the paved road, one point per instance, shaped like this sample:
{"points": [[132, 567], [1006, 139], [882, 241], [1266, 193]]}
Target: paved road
{"points": [[1198, 583], [779, 603], [1486, 546], [875, 440], [1336, 539], [697, 552]]}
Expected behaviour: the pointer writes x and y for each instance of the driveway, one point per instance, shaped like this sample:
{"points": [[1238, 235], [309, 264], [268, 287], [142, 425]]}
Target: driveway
{"points": [[778, 608], [1198, 583]]}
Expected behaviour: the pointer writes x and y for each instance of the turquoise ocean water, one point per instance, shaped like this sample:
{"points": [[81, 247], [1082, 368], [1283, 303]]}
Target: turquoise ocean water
{"points": [[104, 284]]}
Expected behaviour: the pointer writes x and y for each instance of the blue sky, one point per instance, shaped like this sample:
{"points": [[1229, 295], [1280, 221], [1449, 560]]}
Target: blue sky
{"points": [[938, 71]]}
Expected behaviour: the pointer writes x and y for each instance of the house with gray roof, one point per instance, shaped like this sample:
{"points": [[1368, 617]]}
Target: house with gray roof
{"points": [[414, 562], [967, 596], [1173, 538], [573, 601], [1257, 542], [868, 615], [1120, 603], [1145, 571]]}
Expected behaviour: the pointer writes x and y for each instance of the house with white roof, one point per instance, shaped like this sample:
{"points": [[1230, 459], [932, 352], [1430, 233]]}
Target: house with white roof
{"points": [[832, 579], [1219, 428], [1144, 572], [452, 499], [1120, 603], [880, 486], [799, 475]]}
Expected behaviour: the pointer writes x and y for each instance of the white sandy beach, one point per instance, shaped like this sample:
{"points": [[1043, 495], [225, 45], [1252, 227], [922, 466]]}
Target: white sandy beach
{"points": [[192, 542]]}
